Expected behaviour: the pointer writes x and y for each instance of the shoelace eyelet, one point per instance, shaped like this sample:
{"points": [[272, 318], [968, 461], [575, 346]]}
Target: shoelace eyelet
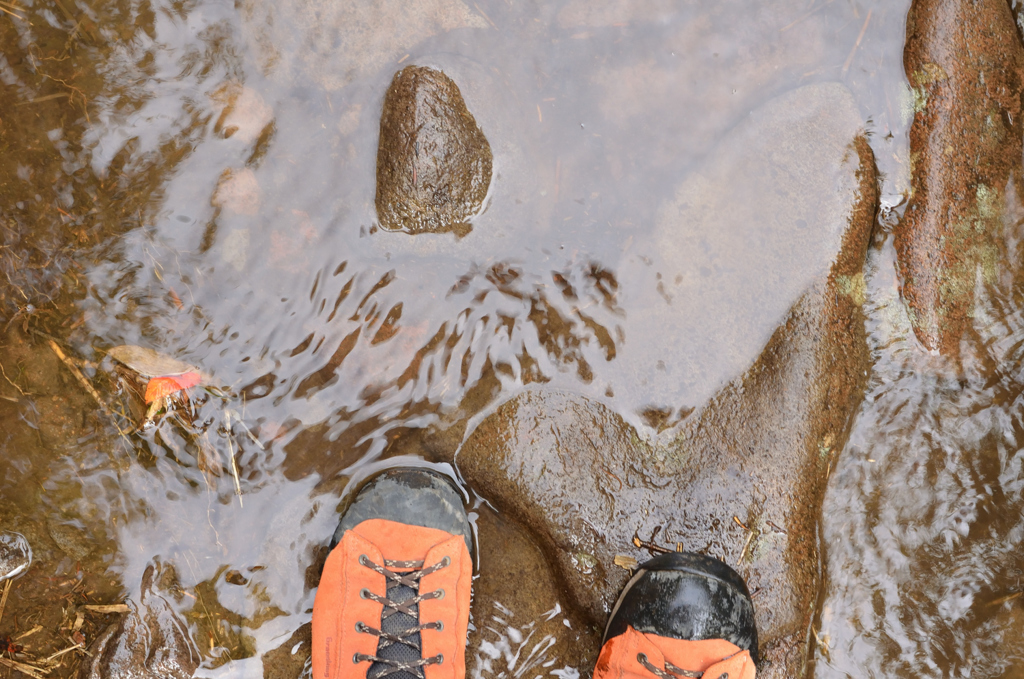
{"points": [[446, 561], [439, 594], [355, 659], [440, 625], [364, 560], [364, 593], [440, 658]]}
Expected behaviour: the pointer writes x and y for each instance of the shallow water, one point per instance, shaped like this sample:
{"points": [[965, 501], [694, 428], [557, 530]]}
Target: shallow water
{"points": [[925, 510], [198, 177]]}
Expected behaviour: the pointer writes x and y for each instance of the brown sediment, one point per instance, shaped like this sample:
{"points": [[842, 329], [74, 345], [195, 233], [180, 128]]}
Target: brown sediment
{"points": [[965, 64]]}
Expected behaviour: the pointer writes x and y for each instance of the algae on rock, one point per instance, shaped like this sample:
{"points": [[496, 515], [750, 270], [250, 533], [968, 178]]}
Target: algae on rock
{"points": [[966, 64]]}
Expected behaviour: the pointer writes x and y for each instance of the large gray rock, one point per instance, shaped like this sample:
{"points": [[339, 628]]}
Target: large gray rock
{"points": [[744, 237], [743, 480]]}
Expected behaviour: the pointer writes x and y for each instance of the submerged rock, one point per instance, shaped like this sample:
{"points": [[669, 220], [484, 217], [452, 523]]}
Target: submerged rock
{"points": [[334, 43], [150, 642], [966, 64], [433, 161], [744, 478], [743, 238], [15, 555]]}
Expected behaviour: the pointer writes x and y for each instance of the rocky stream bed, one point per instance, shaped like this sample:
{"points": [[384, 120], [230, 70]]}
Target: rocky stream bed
{"points": [[736, 278]]}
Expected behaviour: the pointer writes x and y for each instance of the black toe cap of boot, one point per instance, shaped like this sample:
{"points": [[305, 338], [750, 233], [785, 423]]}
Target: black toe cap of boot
{"points": [[686, 596], [413, 496]]}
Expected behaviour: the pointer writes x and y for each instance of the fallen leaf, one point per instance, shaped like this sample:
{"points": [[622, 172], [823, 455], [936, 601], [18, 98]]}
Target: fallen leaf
{"points": [[150, 363], [159, 387]]}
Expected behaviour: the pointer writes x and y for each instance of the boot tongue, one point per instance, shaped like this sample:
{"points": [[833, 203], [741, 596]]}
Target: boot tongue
{"points": [[396, 623]]}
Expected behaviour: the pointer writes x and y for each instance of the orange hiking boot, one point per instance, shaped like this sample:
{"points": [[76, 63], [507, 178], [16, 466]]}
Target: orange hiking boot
{"points": [[394, 596], [681, 615]]}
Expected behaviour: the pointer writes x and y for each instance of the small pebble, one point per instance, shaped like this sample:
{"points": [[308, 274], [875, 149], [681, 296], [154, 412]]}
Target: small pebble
{"points": [[15, 555]]}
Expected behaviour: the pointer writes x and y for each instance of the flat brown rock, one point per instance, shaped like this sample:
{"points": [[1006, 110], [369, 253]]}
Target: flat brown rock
{"points": [[966, 64]]}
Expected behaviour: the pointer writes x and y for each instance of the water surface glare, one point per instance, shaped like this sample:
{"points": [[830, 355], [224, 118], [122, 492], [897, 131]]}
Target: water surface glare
{"points": [[197, 177]]}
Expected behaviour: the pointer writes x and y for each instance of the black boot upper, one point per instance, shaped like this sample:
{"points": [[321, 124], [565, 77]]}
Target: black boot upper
{"points": [[686, 596]]}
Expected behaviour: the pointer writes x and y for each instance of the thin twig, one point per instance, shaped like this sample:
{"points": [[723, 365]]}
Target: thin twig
{"points": [[750, 534], [10, 382], [863, 29], [87, 385], [231, 451]]}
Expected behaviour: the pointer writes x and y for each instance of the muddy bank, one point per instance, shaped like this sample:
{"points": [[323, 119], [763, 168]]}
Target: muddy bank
{"points": [[965, 63]]}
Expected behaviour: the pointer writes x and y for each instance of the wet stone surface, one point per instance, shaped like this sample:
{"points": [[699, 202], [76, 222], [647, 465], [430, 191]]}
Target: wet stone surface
{"points": [[742, 480], [150, 642], [433, 161], [742, 239], [965, 62]]}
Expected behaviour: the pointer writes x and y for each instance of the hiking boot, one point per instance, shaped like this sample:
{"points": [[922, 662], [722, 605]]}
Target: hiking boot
{"points": [[681, 615], [394, 596]]}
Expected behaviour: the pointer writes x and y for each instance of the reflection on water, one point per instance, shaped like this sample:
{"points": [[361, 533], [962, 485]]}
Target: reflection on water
{"points": [[925, 514], [520, 651], [196, 176]]}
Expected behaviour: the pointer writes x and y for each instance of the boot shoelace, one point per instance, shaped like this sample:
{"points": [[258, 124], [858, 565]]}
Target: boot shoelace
{"points": [[411, 579], [671, 671]]}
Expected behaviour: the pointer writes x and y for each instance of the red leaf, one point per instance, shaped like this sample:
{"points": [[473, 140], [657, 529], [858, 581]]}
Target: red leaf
{"points": [[158, 387]]}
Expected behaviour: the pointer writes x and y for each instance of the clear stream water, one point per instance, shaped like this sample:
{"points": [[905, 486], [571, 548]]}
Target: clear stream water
{"points": [[197, 176]]}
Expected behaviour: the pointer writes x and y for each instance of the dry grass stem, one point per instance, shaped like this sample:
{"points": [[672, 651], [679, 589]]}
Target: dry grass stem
{"points": [[231, 456], [48, 97], [1004, 599], [16, 16], [29, 670], [58, 654], [106, 608], [25, 635], [3, 598]]}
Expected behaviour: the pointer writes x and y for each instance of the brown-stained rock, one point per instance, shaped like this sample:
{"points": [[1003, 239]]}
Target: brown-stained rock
{"points": [[966, 65], [742, 481], [433, 161], [150, 642]]}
